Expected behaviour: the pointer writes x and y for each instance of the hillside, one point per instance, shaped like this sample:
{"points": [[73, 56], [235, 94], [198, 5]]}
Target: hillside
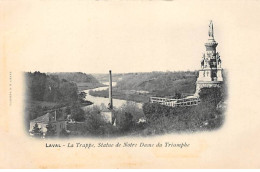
{"points": [[42, 87], [46, 92], [105, 77], [83, 80], [160, 83], [140, 86]]}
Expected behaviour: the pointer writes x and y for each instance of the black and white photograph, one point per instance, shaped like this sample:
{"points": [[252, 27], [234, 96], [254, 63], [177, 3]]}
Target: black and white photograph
{"points": [[76, 104], [129, 84]]}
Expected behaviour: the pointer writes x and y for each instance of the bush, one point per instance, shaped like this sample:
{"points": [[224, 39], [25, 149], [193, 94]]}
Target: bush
{"points": [[63, 133], [77, 114], [163, 119], [50, 131], [36, 131]]}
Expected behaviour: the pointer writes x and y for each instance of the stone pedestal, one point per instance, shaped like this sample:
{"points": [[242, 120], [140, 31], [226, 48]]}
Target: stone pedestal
{"points": [[210, 74]]}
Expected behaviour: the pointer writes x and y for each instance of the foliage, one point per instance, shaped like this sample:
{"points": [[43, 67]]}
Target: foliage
{"points": [[105, 77], [210, 95], [125, 122], [77, 77], [162, 119], [33, 111], [50, 130], [46, 92], [162, 83], [82, 96], [68, 110], [64, 133], [77, 114], [174, 84], [127, 117], [42, 87], [95, 123], [132, 108], [83, 81], [36, 131], [159, 118]]}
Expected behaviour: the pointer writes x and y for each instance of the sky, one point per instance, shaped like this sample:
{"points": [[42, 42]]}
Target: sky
{"points": [[122, 36]]}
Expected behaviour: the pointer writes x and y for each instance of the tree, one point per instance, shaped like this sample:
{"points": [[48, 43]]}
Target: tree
{"points": [[82, 96], [68, 110], [154, 111], [42, 87], [50, 130], [77, 114], [127, 122], [95, 123], [64, 133], [36, 131], [211, 95], [68, 91], [177, 95]]}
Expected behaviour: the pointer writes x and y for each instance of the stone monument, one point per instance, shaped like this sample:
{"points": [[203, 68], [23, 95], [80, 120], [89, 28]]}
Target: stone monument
{"points": [[210, 74]]}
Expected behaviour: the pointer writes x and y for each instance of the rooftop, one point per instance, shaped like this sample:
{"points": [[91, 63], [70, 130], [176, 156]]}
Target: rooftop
{"points": [[48, 117]]}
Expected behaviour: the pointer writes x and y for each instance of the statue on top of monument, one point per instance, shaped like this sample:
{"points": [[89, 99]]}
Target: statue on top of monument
{"points": [[211, 34]]}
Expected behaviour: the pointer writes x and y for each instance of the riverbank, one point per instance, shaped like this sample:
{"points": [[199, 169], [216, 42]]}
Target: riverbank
{"points": [[122, 95], [88, 86], [118, 98], [85, 103]]}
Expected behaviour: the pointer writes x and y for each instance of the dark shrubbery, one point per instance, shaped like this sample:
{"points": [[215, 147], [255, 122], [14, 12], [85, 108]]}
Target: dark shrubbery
{"points": [[36, 131], [47, 92], [126, 117], [42, 87], [162, 119], [77, 114], [159, 119], [50, 131], [77, 77]]}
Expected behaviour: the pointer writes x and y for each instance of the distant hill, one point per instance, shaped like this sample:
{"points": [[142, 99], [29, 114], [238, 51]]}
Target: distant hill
{"points": [[75, 77], [160, 83], [49, 89], [83, 80], [139, 87], [105, 77]]}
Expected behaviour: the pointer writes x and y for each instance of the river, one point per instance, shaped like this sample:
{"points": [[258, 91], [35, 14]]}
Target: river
{"points": [[102, 100]]}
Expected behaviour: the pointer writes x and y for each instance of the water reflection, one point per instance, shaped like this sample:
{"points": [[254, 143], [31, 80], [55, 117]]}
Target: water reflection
{"points": [[102, 100]]}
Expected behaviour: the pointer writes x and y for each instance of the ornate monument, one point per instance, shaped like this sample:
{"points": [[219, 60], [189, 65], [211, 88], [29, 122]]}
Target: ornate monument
{"points": [[210, 74]]}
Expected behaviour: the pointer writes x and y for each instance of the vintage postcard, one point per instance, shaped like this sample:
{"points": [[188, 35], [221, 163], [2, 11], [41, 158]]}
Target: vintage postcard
{"points": [[129, 84]]}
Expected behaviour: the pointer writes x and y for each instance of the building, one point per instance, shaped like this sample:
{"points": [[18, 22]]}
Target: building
{"points": [[210, 74], [49, 118]]}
